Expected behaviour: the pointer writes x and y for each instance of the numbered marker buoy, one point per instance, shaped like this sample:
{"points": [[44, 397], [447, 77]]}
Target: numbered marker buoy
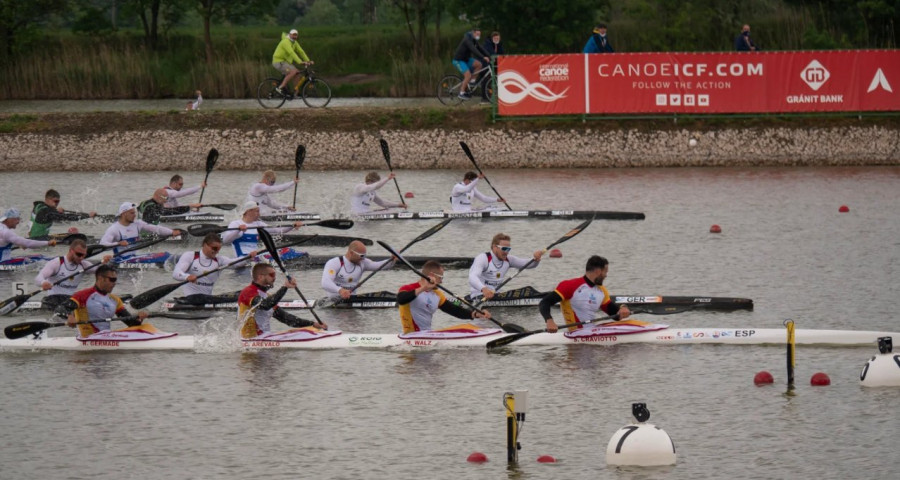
{"points": [[640, 444], [882, 370]]}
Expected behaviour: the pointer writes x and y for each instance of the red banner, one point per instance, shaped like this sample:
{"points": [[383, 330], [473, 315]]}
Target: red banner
{"points": [[765, 82]]}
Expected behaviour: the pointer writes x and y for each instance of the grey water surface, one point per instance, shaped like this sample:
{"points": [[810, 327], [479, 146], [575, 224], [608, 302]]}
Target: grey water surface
{"points": [[410, 414]]}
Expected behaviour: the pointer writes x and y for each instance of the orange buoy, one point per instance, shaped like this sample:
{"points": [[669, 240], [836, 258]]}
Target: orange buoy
{"points": [[820, 379], [546, 459], [763, 378], [555, 253], [409, 195], [477, 457], [715, 229], [844, 209], [73, 229]]}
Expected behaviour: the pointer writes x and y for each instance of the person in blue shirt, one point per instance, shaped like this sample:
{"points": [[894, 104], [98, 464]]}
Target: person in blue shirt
{"points": [[598, 43], [743, 42]]}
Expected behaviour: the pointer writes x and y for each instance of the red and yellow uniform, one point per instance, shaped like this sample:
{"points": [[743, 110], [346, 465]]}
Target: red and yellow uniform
{"points": [[256, 308], [91, 304], [416, 311], [579, 299]]}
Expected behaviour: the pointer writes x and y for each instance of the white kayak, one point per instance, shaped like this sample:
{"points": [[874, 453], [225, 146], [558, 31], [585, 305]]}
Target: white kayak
{"points": [[669, 336]]}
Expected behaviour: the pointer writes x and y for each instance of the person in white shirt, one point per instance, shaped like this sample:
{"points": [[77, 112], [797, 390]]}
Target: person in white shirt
{"points": [[489, 268], [127, 229], [461, 196], [364, 195], [259, 193], [192, 267], [176, 190], [60, 276], [245, 238], [8, 223], [341, 274]]}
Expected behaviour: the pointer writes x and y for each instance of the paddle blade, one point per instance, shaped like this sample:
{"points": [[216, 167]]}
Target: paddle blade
{"points": [[211, 158], [571, 233], [299, 156], [269, 242], [201, 229], [336, 223], [21, 330], [221, 206], [9, 305], [468, 152], [74, 236], [151, 296], [386, 152], [96, 250], [500, 342]]}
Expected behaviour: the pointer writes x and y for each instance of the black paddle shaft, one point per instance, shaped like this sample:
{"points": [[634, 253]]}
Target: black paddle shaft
{"points": [[472, 159], [267, 240], [387, 158]]}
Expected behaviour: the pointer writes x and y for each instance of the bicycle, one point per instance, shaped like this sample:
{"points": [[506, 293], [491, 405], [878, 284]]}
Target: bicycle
{"points": [[315, 92], [449, 87]]}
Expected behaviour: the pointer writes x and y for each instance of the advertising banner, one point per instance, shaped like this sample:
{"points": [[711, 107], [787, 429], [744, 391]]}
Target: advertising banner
{"points": [[691, 83]]}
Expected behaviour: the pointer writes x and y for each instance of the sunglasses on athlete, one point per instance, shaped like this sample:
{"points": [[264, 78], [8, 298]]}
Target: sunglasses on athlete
{"points": [[112, 279], [361, 255], [504, 249]]}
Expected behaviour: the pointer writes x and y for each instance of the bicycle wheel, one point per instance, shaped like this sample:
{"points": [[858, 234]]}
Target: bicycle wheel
{"points": [[488, 87], [266, 94], [316, 93], [448, 90]]}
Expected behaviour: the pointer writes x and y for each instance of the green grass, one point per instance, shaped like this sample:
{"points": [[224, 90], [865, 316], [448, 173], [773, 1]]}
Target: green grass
{"points": [[17, 123]]}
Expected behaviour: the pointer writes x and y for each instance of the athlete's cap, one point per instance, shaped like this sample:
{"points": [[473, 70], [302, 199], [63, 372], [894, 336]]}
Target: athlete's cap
{"points": [[11, 213], [125, 207], [294, 32], [249, 206]]}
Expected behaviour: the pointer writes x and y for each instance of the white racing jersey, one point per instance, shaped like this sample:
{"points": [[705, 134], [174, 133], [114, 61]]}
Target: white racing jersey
{"points": [[131, 233], [488, 271], [461, 196], [248, 240], [197, 263], [59, 270], [174, 195], [8, 238], [259, 193], [364, 196], [340, 272]]}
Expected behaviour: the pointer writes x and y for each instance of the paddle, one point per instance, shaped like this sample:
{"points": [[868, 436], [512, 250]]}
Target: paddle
{"points": [[328, 301], [11, 304], [267, 240], [507, 327], [25, 329], [155, 294], [211, 158], [220, 206], [387, 158], [202, 229], [500, 342], [472, 158], [567, 236], [299, 157]]}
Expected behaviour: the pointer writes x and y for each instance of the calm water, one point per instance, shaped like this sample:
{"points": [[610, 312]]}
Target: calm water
{"points": [[418, 414]]}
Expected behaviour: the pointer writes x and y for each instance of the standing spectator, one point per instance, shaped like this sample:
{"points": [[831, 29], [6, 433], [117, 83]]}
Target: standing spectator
{"points": [[743, 42], [598, 43], [493, 45]]}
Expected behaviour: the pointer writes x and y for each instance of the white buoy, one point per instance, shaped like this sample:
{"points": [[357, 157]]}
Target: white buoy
{"points": [[882, 370], [640, 444]]}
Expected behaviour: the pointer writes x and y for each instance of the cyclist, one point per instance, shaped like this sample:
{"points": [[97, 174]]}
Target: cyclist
{"points": [[286, 54], [468, 57]]}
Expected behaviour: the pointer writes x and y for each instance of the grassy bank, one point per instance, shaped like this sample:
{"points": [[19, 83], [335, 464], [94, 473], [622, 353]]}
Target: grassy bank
{"points": [[358, 61]]}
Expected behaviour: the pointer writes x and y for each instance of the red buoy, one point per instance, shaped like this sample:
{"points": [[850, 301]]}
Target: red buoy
{"points": [[477, 457], [546, 459], [409, 195], [820, 379], [715, 229], [763, 378], [73, 229], [844, 209], [555, 253]]}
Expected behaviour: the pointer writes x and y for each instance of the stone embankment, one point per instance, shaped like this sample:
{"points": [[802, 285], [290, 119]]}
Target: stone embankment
{"points": [[495, 147]]}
